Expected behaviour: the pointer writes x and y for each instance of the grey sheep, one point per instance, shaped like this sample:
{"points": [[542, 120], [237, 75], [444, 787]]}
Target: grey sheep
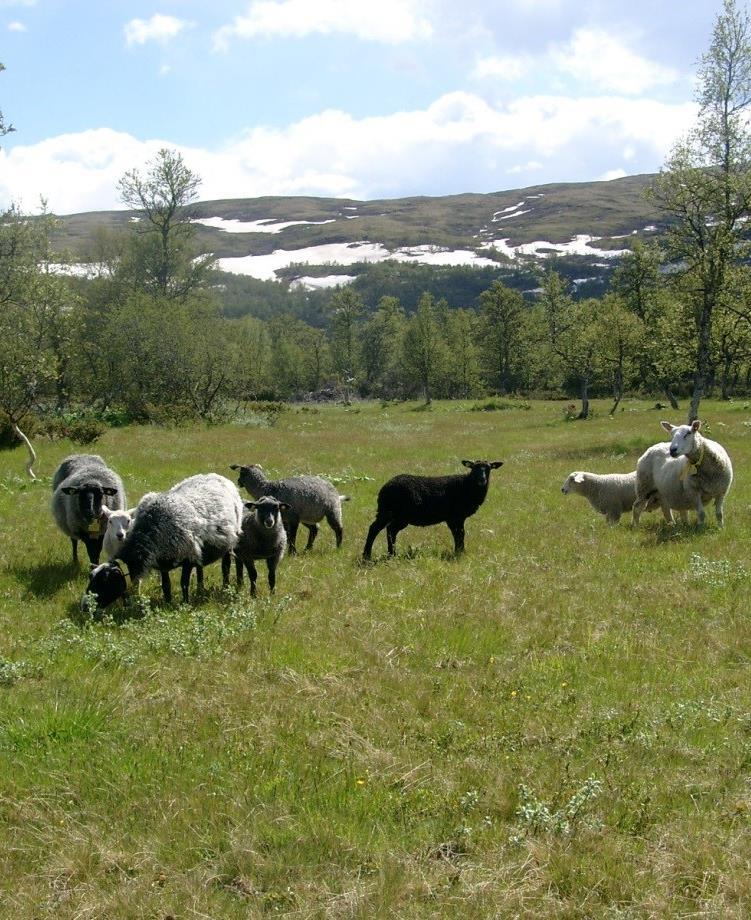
{"points": [[686, 474], [611, 494], [262, 537], [310, 499], [193, 524], [81, 485]]}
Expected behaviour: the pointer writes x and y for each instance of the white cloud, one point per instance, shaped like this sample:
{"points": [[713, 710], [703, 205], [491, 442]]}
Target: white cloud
{"points": [[16, 26], [159, 28], [613, 174], [503, 67], [598, 59], [459, 143], [389, 21]]}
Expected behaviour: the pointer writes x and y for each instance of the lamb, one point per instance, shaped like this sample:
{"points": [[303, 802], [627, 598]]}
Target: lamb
{"points": [[79, 487], [426, 500], [687, 473], [611, 494], [117, 523], [193, 524], [263, 537], [309, 500]]}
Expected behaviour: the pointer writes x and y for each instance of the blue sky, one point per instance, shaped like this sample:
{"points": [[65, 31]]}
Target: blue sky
{"points": [[341, 97]]}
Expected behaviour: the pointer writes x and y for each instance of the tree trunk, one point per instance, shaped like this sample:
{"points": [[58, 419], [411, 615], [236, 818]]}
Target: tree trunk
{"points": [[585, 399], [617, 389], [703, 360], [669, 395]]}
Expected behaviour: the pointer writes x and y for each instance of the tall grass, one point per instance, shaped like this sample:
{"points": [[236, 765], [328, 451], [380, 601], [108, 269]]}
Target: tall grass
{"points": [[556, 724]]}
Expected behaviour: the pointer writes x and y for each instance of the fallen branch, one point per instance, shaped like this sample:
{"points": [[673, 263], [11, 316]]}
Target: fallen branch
{"points": [[32, 452]]}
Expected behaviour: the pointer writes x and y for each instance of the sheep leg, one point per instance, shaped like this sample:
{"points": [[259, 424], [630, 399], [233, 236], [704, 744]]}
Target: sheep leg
{"points": [[392, 529], [375, 528], [457, 531], [199, 578], [293, 522], [667, 511], [253, 577], [683, 514], [185, 579], [639, 505], [74, 544], [335, 524], [719, 510], [93, 548], [239, 571], [166, 586], [226, 565], [701, 514], [312, 534], [612, 517], [271, 563]]}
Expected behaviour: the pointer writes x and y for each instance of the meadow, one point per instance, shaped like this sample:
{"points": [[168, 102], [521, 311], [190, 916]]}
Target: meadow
{"points": [[556, 724]]}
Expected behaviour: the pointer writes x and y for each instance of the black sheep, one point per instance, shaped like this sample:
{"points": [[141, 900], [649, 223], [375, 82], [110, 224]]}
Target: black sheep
{"points": [[426, 500]]}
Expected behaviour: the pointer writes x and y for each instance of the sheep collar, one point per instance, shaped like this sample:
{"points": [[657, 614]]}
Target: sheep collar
{"points": [[692, 467]]}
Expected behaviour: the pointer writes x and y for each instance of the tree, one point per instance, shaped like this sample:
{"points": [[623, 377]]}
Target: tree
{"points": [[381, 351], [705, 186], [345, 310], [618, 334], [502, 310], [463, 359], [4, 129], [161, 259], [424, 349]]}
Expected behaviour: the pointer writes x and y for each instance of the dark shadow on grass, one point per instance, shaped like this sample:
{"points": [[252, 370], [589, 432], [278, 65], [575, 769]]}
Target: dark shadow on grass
{"points": [[662, 533], [43, 579]]}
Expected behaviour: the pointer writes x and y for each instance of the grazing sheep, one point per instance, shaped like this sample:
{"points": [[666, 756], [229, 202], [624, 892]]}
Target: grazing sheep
{"points": [[427, 500], [262, 537], [309, 498], [80, 486], [196, 522], [686, 474], [611, 494], [118, 523]]}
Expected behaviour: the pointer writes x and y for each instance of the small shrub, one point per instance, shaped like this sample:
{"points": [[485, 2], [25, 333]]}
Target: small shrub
{"points": [[499, 405]]}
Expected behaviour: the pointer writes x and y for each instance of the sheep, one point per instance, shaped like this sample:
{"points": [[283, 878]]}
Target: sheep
{"points": [[193, 524], [79, 487], [263, 537], [117, 524], [611, 494], [426, 500], [686, 473], [309, 498]]}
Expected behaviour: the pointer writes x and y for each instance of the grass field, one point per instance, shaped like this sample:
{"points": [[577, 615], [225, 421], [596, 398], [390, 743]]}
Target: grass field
{"points": [[558, 724]]}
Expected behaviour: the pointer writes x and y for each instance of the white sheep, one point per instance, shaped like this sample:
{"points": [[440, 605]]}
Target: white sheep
{"points": [[611, 494], [686, 473], [118, 523]]}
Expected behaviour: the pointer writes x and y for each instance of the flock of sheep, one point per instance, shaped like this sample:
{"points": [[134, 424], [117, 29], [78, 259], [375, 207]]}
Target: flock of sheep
{"points": [[203, 518]]}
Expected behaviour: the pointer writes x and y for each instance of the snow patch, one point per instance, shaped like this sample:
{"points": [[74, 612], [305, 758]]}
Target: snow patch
{"points": [[580, 245], [309, 283], [265, 225]]}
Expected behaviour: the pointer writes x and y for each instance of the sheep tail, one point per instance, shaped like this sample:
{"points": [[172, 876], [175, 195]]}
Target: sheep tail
{"points": [[345, 498]]}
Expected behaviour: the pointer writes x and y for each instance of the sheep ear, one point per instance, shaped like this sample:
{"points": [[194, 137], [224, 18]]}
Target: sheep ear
{"points": [[468, 463], [250, 505], [234, 466], [106, 513], [496, 464], [70, 490], [108, 490], [667, 426], [92, 566], [579, 477], [132, 511], [283, 506], [695, 425]]}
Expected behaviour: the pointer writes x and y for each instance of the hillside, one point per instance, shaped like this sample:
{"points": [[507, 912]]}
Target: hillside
{"points": [[319, 242]]}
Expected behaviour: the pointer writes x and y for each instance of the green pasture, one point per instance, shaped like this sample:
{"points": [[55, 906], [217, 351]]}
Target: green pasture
{"points": [[556, 724]]}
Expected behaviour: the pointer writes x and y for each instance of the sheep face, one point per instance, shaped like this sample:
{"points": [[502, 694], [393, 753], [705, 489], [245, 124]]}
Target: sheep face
{"points": [[480, 469], [248, 475], [118, 522], [267, 511], [571, 481], [683, 440], [90, 498], [106, 583]]}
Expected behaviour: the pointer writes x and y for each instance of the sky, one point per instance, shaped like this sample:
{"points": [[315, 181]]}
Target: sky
{"points": [[360, 99]]}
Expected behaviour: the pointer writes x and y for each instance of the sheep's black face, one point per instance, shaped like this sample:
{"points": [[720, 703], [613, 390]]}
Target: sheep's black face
{"points": [[90, 498], [267, 511], [106, 583], [480, 469]]}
